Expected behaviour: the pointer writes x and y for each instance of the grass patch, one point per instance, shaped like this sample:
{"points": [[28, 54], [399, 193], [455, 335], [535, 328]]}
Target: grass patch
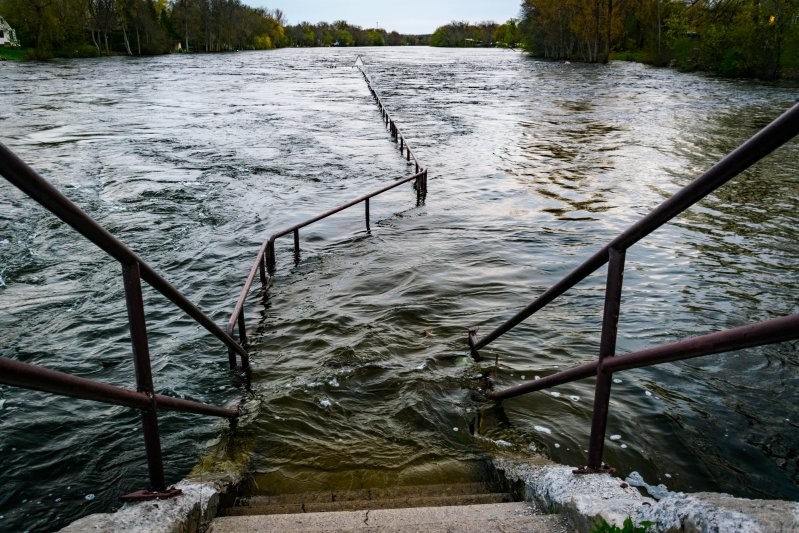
{"points": [[13, 54]]}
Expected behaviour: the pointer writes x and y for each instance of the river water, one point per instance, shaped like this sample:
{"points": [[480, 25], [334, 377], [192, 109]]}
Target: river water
{"points": [[193, 160]]}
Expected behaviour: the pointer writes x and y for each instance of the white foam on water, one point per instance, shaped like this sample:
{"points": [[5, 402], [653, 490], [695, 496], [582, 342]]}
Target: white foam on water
{"points": [[503, 443], [624, 446], [325, 402], [89, 497], [617, 381], [333, 382], [648, 393], [542, 429], [615, 437], [2, 403], [524, 377], [574, 398], [454, 429], [557, 445], [554, 394]]}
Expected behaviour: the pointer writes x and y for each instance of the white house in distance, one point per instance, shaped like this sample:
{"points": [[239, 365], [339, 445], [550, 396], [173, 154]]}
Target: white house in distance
{"points": [[8, 36]]}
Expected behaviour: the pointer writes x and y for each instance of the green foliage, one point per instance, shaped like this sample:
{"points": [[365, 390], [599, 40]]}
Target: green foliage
{"points": [[80, 28], [508, 34], [742, 38], [344, 38], [345, 34], [601, 526], [376, 38], [465, 35], [14, 54], [263, 42]]}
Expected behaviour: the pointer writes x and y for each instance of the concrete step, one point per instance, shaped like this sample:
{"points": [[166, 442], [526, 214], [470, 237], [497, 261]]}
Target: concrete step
{"points": [[258, 508], [501, 517], [369, 494]]}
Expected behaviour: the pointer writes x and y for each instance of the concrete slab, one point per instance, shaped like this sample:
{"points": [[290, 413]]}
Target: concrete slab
{"points": [[508, 517]]}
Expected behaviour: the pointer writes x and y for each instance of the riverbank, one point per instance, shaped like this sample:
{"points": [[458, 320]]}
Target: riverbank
{"points": [[13, 54]]}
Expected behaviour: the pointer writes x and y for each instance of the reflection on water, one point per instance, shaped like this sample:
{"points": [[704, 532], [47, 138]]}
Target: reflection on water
{"points": [[359, 354]]}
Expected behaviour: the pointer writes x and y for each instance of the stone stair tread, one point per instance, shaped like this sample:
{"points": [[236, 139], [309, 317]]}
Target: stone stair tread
{"points": [[370, 504], [370, 494], [501, 517]]}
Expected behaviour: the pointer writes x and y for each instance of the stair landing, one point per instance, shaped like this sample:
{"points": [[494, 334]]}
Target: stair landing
{"points": [[454, 507]]}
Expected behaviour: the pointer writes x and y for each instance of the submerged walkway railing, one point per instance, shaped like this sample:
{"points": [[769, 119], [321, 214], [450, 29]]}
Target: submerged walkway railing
{"points": [[265, 262], [779, 132], [134, 269]]}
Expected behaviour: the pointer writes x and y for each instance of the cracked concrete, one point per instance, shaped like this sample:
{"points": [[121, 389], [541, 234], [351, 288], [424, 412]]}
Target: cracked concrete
{"points": [[582, 499]]}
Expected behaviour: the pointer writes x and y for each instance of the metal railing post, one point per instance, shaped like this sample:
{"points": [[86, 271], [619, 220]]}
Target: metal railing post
{"points": [[262, 269], [242, 331], [296, 245], [269, 257], [144, 379], [607, 349], [366, 203]]}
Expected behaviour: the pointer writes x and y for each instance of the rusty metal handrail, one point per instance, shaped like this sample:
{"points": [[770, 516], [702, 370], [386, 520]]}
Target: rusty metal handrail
{"points": [[779, 132], [265, 258], [772, 331], [134, 269], [32, 184], [34, 377]]}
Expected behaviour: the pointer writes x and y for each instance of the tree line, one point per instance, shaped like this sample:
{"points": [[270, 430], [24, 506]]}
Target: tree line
{"points": [[140, 27], [465, 35], [146, 27], [741, 38], [341, 33]]}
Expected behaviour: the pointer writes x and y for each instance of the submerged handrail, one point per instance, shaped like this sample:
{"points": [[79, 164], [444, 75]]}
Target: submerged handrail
{"points": [[134, 269], [265, 258], [779, 132], [389, 122]]}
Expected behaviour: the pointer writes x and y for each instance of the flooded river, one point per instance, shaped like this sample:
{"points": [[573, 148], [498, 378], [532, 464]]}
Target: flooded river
{"points": [[194, 159]]}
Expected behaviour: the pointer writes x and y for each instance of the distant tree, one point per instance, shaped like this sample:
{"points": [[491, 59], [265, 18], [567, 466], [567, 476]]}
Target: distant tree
{"points": [[508, 34], [376, 38]]}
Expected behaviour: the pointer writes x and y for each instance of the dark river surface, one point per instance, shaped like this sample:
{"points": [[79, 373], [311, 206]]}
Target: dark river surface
{"points": [[193, 160]]}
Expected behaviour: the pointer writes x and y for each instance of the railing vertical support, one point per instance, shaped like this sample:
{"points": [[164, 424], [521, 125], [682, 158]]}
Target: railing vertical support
{"points": [[262, 269], [607, 349], [296, 245], [270, 257], [144, 379], [366, 203], [242, 331]]}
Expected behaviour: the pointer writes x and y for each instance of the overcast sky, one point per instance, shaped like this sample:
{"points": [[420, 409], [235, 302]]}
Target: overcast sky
{"points": [[404, 16]]}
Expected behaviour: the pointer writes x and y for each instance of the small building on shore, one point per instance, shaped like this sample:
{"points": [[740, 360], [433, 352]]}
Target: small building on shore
{"points": [[8, 37]]}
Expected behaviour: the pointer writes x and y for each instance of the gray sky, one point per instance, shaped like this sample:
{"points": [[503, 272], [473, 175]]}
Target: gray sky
{"points": [[404, 16]]}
